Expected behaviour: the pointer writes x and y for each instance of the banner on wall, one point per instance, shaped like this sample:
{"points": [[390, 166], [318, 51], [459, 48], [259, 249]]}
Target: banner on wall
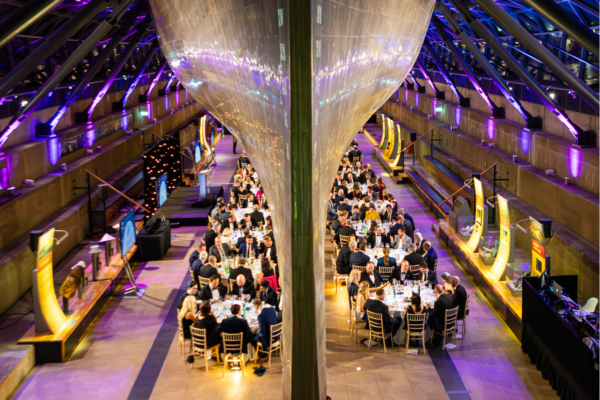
{"points": [[538, 251], [49, 317], [480, 223], [391, 139], [506, 240], [90, 137], [384, 136]]}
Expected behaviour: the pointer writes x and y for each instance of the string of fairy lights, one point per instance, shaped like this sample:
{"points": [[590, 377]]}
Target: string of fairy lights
{"points": [[164, 156]]}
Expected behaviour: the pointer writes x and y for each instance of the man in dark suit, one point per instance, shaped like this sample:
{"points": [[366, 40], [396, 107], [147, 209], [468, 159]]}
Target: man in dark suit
{"points": [[419, 241], [407, 217], [355, 216], [214, 290], [344, 231], [408, 227], [267, 249], [459, 298], [241, 270], [413, 257], [270, 233], [209, 269], [395, 226], [257, 214], [210, 236], [426, 275], [338, 223], [243, 288], [373, 195], [388, 214], [339, 197], [331, 211], [197, 266], [372, 277], [249, 222], [267, 317], [390, 324], [378, 239], [342, 264], [359, 257], [192, 290], [430, 255], [242, 239], [267, 294], [249, 248], [220, 250], [353, 154], [225, 216], [243, 160], [437, 318], [402, 274], [196, 253], [344, 206], [235, 324], [230, 223], [338, 179]]}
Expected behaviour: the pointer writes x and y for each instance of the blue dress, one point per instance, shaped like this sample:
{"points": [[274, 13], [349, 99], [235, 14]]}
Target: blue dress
{"points": [[391, 262]]}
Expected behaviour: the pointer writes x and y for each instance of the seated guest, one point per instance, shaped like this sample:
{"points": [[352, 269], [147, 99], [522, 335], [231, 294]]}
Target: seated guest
{"points": [[430, 256], [257, 214], [390, 324], [331, 211], [339, 222], [249, 222], [372, 277], [338, 179], [415, 308], [377, 239], [235, 324], [229, 209], [198, 264], [426, 275], [214, 291], [205, 319], [387, 215], [353, 284], [345, 205], [243, 160], [269, 230], [209, 269], [408, 227], [226, 237], [217, 211], [395, 226], [361, 298], [267, 249], [192, 290], [413, 257], [402, 274], [386, 260], [358, 257], [402, 240], [419, 243], [267, 294], [459, 298], [446, 278], [339, 197], [373, 195], [355, 193], [267, 317], [241, 240], [220, 250], [407, 217], [233, 199], [211, 235], [437, 319], [241, 270], [230, 223], [196, 253], [248, 249], [342, 264], [371, 214], [243, 289], [355, 217], [266, 272], [346, 230], [187, 315]]}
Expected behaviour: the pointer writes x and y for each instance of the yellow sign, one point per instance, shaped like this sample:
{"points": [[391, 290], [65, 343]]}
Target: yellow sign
{"points": [[391, 137], [538, 251], [384, 132], [48, 303], [505, 240], [479, 216]]}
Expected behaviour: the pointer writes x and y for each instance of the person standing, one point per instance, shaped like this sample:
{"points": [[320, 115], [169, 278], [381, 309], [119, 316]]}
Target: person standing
{"points": [[234, 140]]}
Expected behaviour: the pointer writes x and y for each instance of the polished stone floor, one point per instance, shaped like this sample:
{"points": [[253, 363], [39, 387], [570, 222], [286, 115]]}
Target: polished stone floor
{"points": [[131, 352]]}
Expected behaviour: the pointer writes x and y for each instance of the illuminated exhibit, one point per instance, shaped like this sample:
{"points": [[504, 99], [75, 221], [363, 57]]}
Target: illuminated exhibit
{"points": [[303, 199]]}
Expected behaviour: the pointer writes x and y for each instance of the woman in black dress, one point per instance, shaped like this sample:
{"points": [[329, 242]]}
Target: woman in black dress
{"points": [[415, 308], [207, 320]]}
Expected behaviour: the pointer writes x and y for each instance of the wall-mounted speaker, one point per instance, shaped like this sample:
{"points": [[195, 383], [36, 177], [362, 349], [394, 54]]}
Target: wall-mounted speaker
{"points": [[547, 225], [102, 192], [34, 237]]}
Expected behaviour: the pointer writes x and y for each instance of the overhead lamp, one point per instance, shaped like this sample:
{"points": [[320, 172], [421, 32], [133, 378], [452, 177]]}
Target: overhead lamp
{"points": [[28, 183]]}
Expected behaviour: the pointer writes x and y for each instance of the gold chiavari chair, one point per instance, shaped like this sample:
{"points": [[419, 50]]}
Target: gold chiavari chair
{"points": [[244, 165], [354, 320], [337, 277], [360, 268], [344, 239], [376, 329], [415, 329], [413, 268], [191, 274], [203, 282], [233, 344], [464, 318], [200, 346], [241, 199], [449, 325], [435, 266], [182, 341], [386, 272], [231, 282], [276, 336]]}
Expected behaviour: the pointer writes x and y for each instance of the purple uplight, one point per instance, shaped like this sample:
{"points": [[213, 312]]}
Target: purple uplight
{"points": [[433, 105], [53, 146], [574, 162], [490, 127], [416, 99], [406, 96], [5, 174], [457, 116], [524, 140], [166, 103]]}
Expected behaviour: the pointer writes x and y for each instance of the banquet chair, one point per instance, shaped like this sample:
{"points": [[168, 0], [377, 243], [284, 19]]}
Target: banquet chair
{"points": [[337, 277], [354, 320], [435, 266], [182, 341], [376, 329], [344, 239], [203, 281], [200, 346], [231, 282], [276, 332], [386, 272], [210, 222], [417, 323], [272, 281], [191, 273], [233, 344], [241, 199], [260, 224], [450, 325], [231, 193], [413, 268], [464, 318], [244, 165], [360, 268], [355, 160]]}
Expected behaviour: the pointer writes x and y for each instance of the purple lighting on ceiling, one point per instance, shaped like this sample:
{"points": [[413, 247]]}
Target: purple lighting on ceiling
{"points": [[490, 128], [53, 146], [574, 162]]}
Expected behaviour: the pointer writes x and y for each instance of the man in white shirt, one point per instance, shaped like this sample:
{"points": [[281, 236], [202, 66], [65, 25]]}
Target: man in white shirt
{"points": [[214, 291]]}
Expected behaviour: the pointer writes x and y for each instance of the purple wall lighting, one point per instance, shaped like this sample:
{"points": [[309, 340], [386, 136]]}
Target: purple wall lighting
{"points": [[490, 128], [166, 103], [4, 172], [457, 116], [53, 147], [416, 100], [574, 162], [406, 96], [524, 138]]}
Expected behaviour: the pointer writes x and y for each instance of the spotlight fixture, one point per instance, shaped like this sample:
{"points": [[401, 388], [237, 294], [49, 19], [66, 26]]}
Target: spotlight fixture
{"points": [[11, 190], [429, 116], [98, 149], [63, 166], [28, 182], [89, 152], [483, 142], [493, 146], [567, 181], [515, 158], [550, 172]]}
